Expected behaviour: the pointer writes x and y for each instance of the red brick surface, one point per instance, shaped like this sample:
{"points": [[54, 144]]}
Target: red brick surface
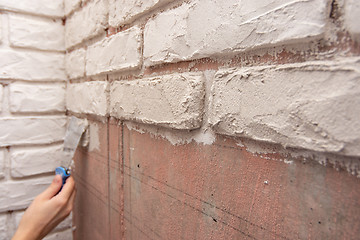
{"points": [[160, 191]]}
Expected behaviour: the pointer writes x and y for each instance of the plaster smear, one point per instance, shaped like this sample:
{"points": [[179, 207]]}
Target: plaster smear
{"points": [[176, 137], [94, 140], [189, 32], [312, 105]]}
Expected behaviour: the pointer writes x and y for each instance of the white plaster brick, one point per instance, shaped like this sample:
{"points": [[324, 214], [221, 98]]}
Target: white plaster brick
{"points": [[202, 28], [174, 101], [75, 63], [120, 51], [88, 97], [39, 7], [45, 34], [3, 227], [312, 105], [1, 27], [64, 235], [31, 65], [37, 97], [123, 11], [2, 163], [70, 5], [16, 195], [352, 13], [89, 22], [1, 96], [36, 160], [31, 130]]}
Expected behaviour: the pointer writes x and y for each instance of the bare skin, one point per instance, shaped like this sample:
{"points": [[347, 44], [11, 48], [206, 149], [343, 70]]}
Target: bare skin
{"points": [[47, 210]]}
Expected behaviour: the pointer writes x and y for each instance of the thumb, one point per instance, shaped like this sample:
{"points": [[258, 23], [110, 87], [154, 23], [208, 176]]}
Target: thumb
{"points": [[54, 188]]}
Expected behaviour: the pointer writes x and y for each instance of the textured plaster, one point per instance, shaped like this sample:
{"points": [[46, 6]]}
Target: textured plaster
{"points": [[352, 13], [3, 227], [89, 22], [70, 5], [1, 97], [41, 34], [312, 105], [2, 163], [31, 65], [120, 51], [37, 97], [88, 97], [205, 28], [31, 130], [53, 8], [123, 11], [75, 63], [35, 160], [174, 101]]}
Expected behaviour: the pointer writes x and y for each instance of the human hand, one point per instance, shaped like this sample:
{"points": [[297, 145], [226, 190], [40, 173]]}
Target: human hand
{"points": [[47, 210]]}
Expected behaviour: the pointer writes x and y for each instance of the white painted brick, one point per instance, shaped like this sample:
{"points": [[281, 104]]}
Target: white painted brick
{"points": [[1, 27], [35, 160], [89, 22], [70, 5], [1, 96], [121, 12], [313, 105], [45, 34], [2, 163], [174, 101], [202, 28], [64, 235], [32, 65], [16, 195], [37, 97], [75, 63], [88, 97], [38, 7], [3, 227], [31, 130], [120, 51], [352, 13]]}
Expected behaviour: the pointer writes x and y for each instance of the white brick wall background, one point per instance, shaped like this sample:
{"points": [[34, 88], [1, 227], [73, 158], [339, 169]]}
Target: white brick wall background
{"points": [[109, 48], [32, 106], [312, 111]]}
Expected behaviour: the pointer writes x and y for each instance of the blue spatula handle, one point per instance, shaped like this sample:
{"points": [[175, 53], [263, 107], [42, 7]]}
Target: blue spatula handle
{"points": [[63, 172]]}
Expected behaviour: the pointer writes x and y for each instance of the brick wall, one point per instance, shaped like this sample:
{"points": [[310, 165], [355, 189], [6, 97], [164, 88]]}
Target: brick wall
{"points": [[216, 119], [32, 106]]}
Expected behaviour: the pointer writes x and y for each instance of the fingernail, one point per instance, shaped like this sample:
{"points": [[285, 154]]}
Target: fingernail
{"points": [[56, 179]]}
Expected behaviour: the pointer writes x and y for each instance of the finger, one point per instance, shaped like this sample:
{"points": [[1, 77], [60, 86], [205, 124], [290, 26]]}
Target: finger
{"points": [[53, 189], [72, 200], [67, 189]]}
